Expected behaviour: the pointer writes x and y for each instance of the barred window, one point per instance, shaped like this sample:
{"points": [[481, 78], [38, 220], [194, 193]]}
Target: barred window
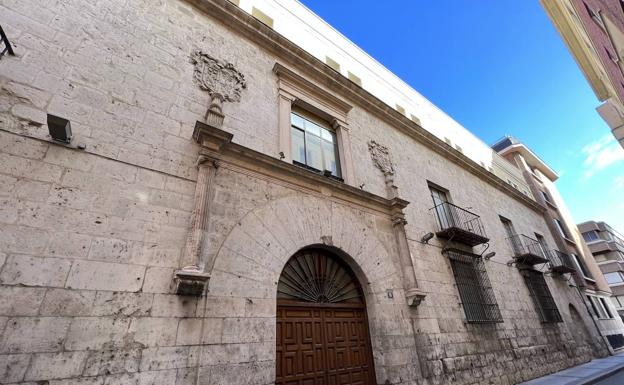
{"points": [[473, 284], [540, 294]]}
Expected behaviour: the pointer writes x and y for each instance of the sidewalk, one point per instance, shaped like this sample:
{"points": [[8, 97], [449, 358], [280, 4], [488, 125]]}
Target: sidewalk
{"points": [[585, 374]]}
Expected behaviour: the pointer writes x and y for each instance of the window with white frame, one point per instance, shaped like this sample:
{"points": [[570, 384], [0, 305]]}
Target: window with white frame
{"points": [[581, 267], [599, 308], [590, 236], [314, 143], [561, 228], [614, 278]]}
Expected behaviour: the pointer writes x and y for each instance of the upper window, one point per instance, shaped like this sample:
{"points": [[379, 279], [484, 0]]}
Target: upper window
{"points": [[614, 278], [542, 299], [581, 267], [546, 197], [561, 228], [600, 307], [314, 144], [590, 236]]}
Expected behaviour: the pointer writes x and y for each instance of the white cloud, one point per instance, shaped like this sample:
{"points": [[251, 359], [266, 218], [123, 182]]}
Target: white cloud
{"points": [[601, 154]]}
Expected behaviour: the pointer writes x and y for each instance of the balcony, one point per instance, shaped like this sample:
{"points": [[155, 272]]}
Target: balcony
{"points": [[561, 263], [527, 250], [459, 225]]}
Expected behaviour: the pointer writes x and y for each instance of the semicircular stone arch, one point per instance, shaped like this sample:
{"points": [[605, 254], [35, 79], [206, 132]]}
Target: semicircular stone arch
{"points": [[251, 258]]}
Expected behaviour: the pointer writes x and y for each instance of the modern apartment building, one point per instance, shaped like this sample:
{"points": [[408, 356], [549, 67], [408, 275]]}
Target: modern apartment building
{"points": [[607, 246], [571, 253], [593, 30], [210, 192]]}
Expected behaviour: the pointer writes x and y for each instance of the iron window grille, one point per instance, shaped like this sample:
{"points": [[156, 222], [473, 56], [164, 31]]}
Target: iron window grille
{"points": [[5, 46], [459, 224], [475, 290], [540, 294]]}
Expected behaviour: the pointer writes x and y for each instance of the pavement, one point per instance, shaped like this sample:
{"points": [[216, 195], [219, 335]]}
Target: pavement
{"points": [[602, 371]]}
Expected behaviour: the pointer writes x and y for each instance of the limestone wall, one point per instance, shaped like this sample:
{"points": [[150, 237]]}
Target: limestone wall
{"points": [[89, 240]]}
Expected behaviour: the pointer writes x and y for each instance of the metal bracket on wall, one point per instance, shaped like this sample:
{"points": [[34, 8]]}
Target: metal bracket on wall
{"points": [[7, 45]]}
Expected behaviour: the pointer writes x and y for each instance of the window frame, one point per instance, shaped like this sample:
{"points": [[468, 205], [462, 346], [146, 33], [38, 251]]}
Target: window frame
{"points": [[619, 274], [581, 267], [594, 232], [561, 228], [322, 140], [294, 90]]}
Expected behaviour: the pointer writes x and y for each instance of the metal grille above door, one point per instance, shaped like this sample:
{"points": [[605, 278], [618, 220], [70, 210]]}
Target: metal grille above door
{"points": [[313, 276]]}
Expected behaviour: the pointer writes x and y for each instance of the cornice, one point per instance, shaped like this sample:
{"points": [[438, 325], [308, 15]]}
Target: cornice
{"points": [[315, 70], [257, 163]]}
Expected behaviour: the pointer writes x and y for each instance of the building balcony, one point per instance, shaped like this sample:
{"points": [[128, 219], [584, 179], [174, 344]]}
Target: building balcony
{"points": [[527, 250], [459, 225], [603, 246], [561, 263]]}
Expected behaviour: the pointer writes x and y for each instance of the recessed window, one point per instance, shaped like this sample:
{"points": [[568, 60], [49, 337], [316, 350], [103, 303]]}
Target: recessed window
{"points": [[600, 307], [473, 285], [314, 144], [540, 294], [401, 109], [448, 141], [590, 236], [595, 16], [458, 148], [415, 119], [581, 267], [546, 197], [614, 278], [561, 228]]}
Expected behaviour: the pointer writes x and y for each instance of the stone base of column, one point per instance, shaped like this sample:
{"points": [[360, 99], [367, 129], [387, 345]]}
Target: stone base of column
{"points": [[414, 296], [191, 281]]}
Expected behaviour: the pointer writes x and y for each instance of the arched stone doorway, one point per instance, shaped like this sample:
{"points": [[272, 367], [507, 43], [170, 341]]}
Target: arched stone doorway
{"points": [[322, 327]]}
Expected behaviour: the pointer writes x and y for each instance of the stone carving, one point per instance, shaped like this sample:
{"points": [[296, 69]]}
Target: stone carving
{"points": [[222, 80], [381, 157]]}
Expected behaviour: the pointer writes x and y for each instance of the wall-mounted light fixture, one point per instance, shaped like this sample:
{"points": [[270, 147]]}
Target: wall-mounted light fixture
{"points": [[426, 238], [489, 255], [60, 129]]}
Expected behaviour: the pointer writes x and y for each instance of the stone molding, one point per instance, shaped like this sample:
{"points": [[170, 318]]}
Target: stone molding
{"points": [[225, 152], [296, 90], [246, 25]]}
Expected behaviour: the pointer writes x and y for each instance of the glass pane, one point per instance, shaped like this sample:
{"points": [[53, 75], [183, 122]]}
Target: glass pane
{"points": [[298, 145], [296, 120], [327, 135], [313, 151], [329, 153], [313, 128]]}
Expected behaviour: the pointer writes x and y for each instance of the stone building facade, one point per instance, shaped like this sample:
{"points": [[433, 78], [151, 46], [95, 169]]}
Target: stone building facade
{"points": [[570, 250], [180, 239]]}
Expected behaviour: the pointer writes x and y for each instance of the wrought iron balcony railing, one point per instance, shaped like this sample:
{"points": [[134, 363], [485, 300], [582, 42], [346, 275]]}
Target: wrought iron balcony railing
{"points": [[5, 45], [459, 224], [560, 262], [527, 250]]}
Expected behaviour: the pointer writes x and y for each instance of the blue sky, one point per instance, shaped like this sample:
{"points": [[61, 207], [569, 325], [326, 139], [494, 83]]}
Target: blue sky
{"points": [[497, 67]]}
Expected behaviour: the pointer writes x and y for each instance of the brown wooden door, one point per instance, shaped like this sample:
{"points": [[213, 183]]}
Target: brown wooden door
{"points": [[323, 344]]}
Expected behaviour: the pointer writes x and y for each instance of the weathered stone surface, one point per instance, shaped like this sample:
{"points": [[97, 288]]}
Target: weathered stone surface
{"points": [[90, 239], [34, 334]]}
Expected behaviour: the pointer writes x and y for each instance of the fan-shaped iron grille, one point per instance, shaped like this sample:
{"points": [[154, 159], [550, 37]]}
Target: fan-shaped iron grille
{"points": [[315, 276]]}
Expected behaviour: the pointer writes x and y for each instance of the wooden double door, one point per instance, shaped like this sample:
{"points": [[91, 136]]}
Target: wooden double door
{"points": [[323, 344]]}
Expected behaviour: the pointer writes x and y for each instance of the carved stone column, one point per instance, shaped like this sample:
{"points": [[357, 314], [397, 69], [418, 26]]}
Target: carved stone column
{"points": [[381, 158], [224, 83]]}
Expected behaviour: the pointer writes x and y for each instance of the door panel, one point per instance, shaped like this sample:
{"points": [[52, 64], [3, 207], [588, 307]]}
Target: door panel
{"points": [[323, 346]]}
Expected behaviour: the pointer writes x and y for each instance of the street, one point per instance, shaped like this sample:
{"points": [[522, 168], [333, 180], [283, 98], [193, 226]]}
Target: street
{"points": [[616, 379]]}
